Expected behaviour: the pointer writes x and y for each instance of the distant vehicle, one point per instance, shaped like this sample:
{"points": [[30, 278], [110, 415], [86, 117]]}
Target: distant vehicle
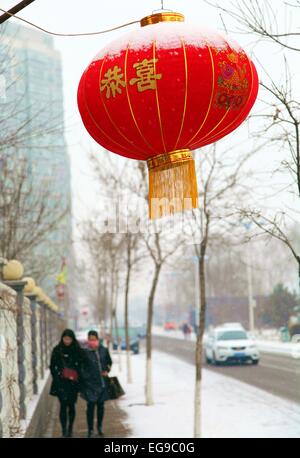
{"points": [[291, 332], [170, 326], [227, 345], [233, 325], [134, 345], [294, 324], [142, 332], [134, 339]]}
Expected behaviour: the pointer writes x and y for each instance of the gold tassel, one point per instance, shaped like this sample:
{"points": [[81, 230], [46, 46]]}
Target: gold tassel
{"points": [[172, 183]]}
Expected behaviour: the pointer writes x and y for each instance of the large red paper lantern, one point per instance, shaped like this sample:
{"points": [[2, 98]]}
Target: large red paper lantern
{"points": [[162, 91]]}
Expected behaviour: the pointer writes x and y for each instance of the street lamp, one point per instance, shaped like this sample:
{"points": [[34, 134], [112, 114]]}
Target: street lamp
{"points": [[195, 260], [251, 300]]}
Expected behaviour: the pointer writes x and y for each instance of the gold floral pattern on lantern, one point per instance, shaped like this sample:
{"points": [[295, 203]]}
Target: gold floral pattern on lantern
{"points": [[232, 81]]}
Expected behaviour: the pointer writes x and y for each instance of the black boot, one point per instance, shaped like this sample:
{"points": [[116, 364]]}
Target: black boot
{"points": [[89, 434], [64, 433]]}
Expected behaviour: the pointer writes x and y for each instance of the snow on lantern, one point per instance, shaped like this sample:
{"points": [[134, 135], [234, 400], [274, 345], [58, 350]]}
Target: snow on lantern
{"points": [[162, 91]]}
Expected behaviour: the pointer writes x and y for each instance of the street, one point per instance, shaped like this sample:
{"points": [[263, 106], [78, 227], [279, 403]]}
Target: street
{"points": [[276, 374]]}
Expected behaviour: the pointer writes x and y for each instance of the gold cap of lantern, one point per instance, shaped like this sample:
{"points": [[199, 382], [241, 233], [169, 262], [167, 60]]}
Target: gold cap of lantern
{"points": [[162, 17]]}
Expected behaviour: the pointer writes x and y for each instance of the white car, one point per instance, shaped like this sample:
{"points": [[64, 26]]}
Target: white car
{"points": [[232, 326], [225, 345]]}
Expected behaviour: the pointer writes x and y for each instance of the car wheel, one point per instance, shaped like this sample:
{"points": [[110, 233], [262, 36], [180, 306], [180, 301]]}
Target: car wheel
{"points": [[255, 362], [214, 361], [208, 361]]}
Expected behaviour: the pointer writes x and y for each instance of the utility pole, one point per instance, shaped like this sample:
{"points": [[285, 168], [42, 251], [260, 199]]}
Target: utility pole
{"points": [[197, 291], [14, 10], [251, 300]]}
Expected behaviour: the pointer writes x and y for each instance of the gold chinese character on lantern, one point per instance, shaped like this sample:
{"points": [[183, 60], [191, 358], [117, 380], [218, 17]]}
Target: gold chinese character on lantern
{"points": [[146, 76], [112, 82]]}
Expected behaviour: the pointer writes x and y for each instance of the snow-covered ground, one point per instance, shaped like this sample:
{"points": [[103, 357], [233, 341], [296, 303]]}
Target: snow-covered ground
{"points": [[231, 409], [268, 346], [282, 348]]}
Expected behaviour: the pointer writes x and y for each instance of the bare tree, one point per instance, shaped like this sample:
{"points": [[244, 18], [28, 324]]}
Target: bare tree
{"points": [[281, 109], [132, 242], [106, 254], [122, 180], [161, 245], [22, 121], [260, 18], [31, 212], [282, 123], [160, 250], [222, 183], [277, 228], [26, 219]]}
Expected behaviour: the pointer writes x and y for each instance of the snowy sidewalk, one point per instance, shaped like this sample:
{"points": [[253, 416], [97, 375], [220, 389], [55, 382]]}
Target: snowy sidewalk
{"points": [[231, 409], [115, 424]]}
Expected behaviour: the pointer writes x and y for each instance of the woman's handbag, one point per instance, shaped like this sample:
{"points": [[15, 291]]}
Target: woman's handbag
{"points": [[69, 374], [114, 388], [112, 384]]}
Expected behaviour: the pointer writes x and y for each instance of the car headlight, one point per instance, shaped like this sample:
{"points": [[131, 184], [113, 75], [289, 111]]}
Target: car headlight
{"points": [[222, 348], [252, 347]]}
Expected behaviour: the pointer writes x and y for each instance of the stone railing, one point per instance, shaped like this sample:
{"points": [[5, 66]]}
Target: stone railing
{"points": [[29, 329]]}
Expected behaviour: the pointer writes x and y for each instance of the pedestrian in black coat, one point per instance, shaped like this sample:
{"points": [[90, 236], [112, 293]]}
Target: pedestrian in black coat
{"points": [[65, 367], [94, 381]]}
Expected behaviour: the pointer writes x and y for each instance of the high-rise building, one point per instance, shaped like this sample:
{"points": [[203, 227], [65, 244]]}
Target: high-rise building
{"points": [[32, 106]]}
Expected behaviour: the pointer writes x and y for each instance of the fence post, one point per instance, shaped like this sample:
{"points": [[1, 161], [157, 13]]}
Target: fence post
{"points": [[18, 287], [9, 386], [2, 339], [50, 332], [42, 348], [46, 333], [54, 328], [34, 357]]}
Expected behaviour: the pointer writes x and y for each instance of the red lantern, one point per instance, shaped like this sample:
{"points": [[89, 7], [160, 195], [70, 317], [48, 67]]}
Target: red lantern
{"points": [[160, 92]]}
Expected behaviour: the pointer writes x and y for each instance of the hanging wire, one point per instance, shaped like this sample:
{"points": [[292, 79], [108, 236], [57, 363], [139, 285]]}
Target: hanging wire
{"points": [[69, 34], [162, 8]]}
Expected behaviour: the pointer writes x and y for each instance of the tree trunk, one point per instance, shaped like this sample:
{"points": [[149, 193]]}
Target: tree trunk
{"points": [[298, 259], [119, 351], [112, 314], [105, 308], [148, 386], [128, 353], [118, 337], [199, 342]]}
